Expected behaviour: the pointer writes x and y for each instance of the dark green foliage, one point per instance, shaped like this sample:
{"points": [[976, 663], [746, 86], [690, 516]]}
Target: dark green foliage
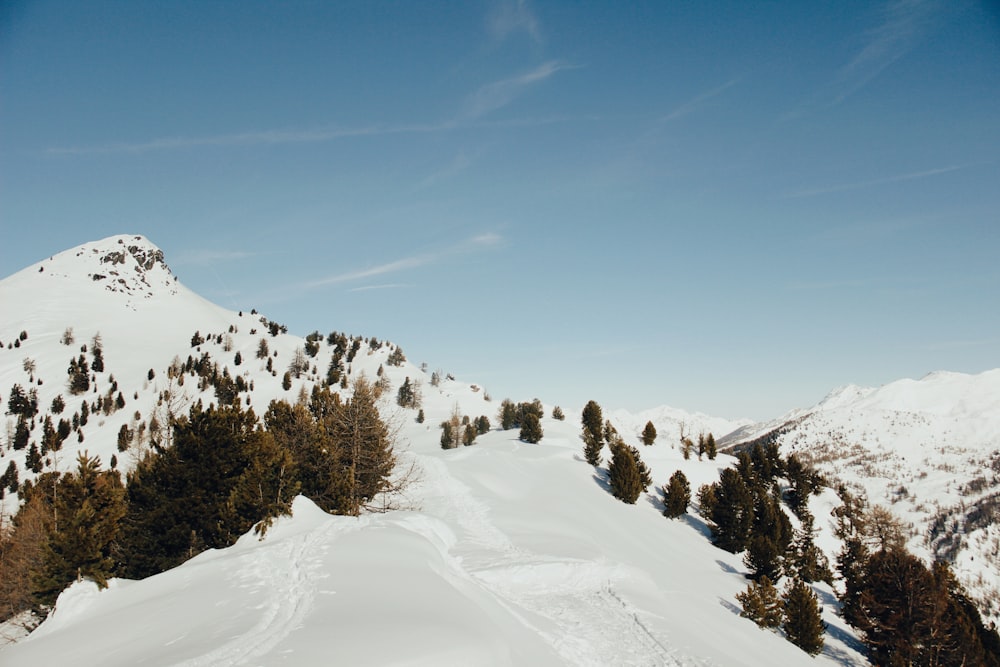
{"points": [[803, 481], [910, 615], [732, 515], [10, 480], [806, 559], [710, 447], [676, 495], [79, 377], [420, 416], [558, 414], [22, 403], [408, 395], [507, 414], [623, 474], [447, 436], [286, 381], [58, 405], [761, 604], [88, 505], [803, 624], [262, 349], [593, 421], [482, 424], [197, 339], [180, 499], [592, 448], [238, 359], [396, 357], [469, 434], [531, 428], [593, 432], [125, 436], [21, 434], [763, 557], [97, 364], [649, 434]]}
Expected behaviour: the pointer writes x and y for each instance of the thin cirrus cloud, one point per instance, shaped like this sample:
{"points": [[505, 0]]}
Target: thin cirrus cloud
{"points": [[407, 263], [696, 102], [205, 257], [845, 187], [488, 98], [498, 94], [510, 18], [904, 24]]}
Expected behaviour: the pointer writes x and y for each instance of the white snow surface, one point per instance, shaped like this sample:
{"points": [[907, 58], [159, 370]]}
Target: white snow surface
{"points": [[505, 553], [928, 450]]}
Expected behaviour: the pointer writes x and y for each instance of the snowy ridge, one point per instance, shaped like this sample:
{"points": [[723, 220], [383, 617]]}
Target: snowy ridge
{"points": [[506, 553], [927, 449]]}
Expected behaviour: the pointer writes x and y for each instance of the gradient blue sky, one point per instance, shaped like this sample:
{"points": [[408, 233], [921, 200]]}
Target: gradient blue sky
{"points": [[729, 207]]}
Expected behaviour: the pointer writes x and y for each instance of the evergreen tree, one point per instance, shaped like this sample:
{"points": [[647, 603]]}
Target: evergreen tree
{"points": [[676, 495], [482, 424], [803, 623], [732, 514], [447, 436], [507, 414], [286, 381], [531, 428], [593, 422], [420, 416], [179, 498], [558, 414], [763, 557], [623, 474], [469, 434], [761, 604], [592, 448], [88, 507], [649, 434], [710, 447]]}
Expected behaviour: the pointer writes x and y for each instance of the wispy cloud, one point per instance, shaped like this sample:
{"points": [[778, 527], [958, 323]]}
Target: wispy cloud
{"points": [[369, 288], [511, 17], [694, 103], [903, 25], [265, 137], [899, 178], [205, 257], [498, 94], [407, 263], [457, 165]]}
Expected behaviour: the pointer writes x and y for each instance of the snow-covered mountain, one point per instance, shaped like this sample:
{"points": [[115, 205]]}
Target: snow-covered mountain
{"points": [[504, 552], [927, 449]]}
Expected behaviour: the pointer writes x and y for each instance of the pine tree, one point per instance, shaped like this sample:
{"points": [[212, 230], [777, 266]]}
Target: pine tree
{"points": [[732, 515], [558, 414], [623, 474], [448, 439], [803, 624], [286, 381], [420, 416], [507, 414], [761, 604], [89, 506], [593, 433], [710, 447], [676, 495], [469, 434], [531, 428], [649, 434]]}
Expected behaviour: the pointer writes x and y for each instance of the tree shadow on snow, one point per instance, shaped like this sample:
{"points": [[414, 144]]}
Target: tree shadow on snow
{"points": [[697, 523], [726, 567], [602, 479], [847, 639]]}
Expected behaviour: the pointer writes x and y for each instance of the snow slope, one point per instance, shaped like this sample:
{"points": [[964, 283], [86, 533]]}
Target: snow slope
{"points": [[927, 449], [505, 553]]}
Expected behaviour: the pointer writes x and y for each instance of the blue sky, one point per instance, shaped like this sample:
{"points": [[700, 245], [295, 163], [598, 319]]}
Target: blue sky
{"points": [[728, 207]]}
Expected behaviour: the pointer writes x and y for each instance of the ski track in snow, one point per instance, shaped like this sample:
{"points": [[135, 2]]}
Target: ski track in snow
{"points": [[288, 576], [596, 626]]}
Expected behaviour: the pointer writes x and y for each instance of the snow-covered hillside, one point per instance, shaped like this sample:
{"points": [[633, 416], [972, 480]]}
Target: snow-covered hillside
{"points": [[927, 449], [503, 553]]}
